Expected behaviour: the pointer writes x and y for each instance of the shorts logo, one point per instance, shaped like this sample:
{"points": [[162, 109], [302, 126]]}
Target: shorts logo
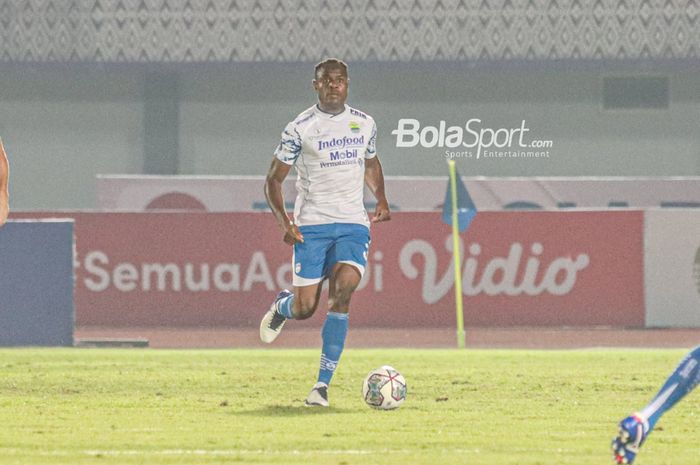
{"points": [[297, 268], [354, 127]]}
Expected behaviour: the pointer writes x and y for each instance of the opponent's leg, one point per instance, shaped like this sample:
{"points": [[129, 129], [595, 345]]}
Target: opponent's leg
{"points": [[637, 427], [344, 280]]}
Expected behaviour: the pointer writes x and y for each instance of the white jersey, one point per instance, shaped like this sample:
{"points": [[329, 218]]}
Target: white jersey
{"points": [[329, 152]]}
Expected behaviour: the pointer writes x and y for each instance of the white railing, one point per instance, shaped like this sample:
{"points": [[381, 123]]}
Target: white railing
{"points": [[405, 193]]}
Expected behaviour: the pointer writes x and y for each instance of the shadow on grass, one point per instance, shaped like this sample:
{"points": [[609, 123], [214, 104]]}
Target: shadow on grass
{"points": [[293, 411]]}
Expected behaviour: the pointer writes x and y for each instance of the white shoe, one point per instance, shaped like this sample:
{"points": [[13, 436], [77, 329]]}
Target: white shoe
{"points": [[318, 397], [273, 321]]}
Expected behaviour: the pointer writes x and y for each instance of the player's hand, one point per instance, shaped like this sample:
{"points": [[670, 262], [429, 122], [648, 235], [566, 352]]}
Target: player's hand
{"points": [[4, 201], [4, 211], [292, 235], [381, 212]]}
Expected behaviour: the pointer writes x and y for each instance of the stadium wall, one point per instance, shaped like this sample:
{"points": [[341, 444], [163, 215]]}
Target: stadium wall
{"points": [[230, 120], [672, 268], [222, 269], [36, 283], [535, 268]]}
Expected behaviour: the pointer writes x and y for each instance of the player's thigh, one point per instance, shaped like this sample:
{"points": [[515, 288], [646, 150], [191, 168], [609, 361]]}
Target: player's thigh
{"points": [[309, 259], [350, 247]]}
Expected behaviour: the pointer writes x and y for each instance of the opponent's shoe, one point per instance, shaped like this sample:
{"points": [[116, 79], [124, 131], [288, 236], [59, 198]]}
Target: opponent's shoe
{"points": [[633, 432], [318, 397], [273, 321]]}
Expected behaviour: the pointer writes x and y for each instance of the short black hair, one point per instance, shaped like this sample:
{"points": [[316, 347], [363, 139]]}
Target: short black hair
{"points": [[330, 63]]}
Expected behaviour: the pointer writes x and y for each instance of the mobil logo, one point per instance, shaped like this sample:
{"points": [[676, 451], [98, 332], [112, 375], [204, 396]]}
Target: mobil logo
{"points": [[343, 154]]}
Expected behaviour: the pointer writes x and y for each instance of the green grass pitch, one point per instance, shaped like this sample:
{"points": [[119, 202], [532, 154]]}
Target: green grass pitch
{"points": [[145, 406]]}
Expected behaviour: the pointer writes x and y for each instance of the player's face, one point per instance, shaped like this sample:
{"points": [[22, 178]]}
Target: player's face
{"points": [[332, 87]]}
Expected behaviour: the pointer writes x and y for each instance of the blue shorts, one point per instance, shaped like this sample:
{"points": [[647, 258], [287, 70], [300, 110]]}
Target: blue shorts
{"points": [[325, 245]]}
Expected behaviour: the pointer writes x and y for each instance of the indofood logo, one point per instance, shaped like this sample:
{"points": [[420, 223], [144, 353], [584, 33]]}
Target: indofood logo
{"points": [[473, 139], [341, 142], [696, 270]]}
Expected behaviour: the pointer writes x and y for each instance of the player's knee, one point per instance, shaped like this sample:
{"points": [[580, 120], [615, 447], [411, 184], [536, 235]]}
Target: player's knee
{"points": [[341, 299], [304, 308]]}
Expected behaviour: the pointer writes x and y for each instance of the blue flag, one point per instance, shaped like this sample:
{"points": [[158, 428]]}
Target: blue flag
{"points": [[466, 210]]}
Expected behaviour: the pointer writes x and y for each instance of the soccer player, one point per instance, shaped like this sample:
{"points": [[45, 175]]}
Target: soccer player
{"points": [[333, 148], [636, 428], [4, 193]]}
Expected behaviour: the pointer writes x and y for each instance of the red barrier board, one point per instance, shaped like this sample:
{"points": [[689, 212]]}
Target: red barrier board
{"points": [[223, 269], [518, 269]]}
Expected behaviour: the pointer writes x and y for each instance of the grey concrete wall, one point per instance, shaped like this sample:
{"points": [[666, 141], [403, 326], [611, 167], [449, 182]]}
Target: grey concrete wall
{"points": [[62, 126], [561, 105]]}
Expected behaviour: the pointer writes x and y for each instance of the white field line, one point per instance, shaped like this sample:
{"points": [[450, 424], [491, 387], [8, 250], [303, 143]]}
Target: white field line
{"points": [[224, 452], [228, 452]]}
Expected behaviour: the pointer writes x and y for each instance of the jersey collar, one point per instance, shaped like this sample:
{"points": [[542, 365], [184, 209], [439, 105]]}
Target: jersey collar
{"points": [[330, 116]]}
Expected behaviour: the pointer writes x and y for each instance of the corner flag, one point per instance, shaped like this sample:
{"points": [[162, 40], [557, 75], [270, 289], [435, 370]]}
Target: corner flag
{"points": [[466, 210], [458, 211]]}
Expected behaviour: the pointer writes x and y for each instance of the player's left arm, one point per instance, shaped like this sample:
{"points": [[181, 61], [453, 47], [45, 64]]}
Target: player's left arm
{"points": [[4, 192], [374, 178]]}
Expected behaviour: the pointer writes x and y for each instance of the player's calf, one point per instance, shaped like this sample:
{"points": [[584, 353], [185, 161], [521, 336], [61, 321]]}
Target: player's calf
{"points": [[305, 307]]}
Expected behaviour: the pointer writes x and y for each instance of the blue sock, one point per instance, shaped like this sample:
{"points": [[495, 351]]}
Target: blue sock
{"points": [[284, 307], [334, 331], [680, 383]]}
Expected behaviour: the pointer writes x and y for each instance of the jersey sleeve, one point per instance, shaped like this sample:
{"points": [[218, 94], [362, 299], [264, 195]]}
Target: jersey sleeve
{"points": [[371, 151], [289, 147]]}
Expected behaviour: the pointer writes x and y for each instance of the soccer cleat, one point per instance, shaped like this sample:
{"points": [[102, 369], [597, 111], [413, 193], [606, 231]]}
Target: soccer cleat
{"points": [[273, 321], [318, 397], [633, 432]]}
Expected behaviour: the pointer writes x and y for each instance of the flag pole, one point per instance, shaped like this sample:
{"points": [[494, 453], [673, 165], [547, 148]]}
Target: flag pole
{"points": [[461, 339]]}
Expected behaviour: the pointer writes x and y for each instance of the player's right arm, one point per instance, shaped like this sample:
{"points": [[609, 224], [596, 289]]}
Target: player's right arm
{"points": [[273, 193], [286, 154], [4, 191]]}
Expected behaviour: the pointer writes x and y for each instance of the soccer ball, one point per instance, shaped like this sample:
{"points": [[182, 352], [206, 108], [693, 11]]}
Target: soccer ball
{"points": [[384, 388]]}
